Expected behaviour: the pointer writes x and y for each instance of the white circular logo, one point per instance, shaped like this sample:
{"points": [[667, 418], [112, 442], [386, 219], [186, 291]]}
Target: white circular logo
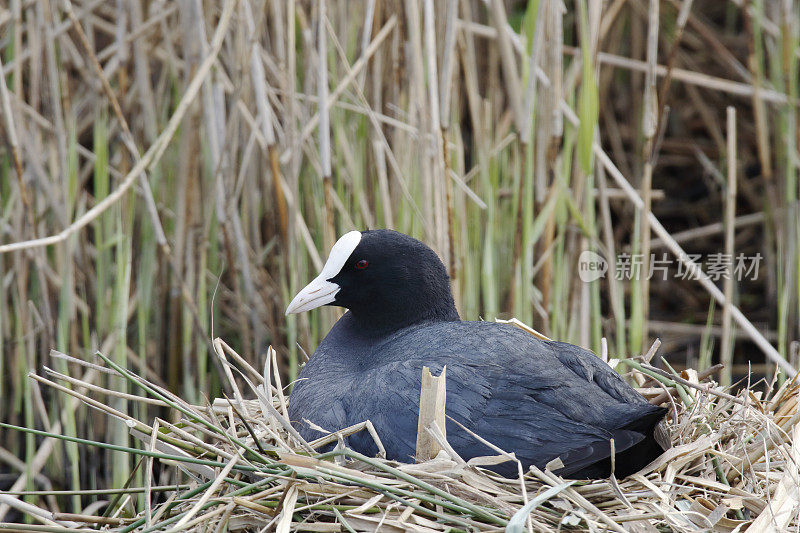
{"points": [[591, 266]]}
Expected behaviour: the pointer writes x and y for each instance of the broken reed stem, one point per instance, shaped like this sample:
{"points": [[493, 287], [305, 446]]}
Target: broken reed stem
{"points": [[433, 395], [448, 187], [726, 348]]}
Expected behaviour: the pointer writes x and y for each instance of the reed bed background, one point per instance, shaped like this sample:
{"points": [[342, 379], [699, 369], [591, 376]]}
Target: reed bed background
{"points": [[173, 172]]}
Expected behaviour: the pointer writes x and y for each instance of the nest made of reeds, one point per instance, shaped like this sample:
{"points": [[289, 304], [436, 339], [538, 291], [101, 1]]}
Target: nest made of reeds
{"points": [[241, 466]]}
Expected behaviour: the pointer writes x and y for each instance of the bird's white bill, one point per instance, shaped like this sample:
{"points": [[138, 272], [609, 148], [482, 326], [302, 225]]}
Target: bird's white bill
{"points": [[317, 293], [321, 291]]}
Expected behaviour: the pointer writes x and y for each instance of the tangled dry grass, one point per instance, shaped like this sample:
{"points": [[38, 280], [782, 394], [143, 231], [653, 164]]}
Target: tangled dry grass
{"points": [[237, 464]]}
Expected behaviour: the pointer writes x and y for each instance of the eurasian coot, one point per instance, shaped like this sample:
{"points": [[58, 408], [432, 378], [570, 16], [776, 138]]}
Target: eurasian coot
{"points": [[538, 399]]}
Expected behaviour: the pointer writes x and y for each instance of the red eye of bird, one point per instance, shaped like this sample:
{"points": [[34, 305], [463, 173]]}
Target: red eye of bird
{"points": [[361, 265]]}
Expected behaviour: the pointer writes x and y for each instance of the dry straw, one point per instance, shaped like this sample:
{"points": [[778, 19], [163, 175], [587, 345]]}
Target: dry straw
{"points": [[733, 466]]}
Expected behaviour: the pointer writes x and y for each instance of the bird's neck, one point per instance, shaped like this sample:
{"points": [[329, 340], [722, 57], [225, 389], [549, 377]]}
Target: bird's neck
{"points": [[384, 321]]}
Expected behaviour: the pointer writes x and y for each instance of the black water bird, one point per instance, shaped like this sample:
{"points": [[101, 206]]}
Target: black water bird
{"points": [[540, 399]]}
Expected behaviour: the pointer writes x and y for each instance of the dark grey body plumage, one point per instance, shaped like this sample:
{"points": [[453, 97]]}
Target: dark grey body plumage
{"points": [[539, 399]]}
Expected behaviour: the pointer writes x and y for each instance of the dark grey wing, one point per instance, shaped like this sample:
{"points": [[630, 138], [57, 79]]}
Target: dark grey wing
{"points": [[517, 420], [539, 399], [587, 365], [503, 412], [574, 382], [615, 403]]}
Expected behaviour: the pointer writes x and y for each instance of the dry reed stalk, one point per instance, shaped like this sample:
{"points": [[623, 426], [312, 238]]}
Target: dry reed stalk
{"points": [[434, 143], [324, 122], [356, 68], [11, 131], [510, 71], [663, 92], [650, 121], [726, 349], [445, 90], [698, 79]]}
